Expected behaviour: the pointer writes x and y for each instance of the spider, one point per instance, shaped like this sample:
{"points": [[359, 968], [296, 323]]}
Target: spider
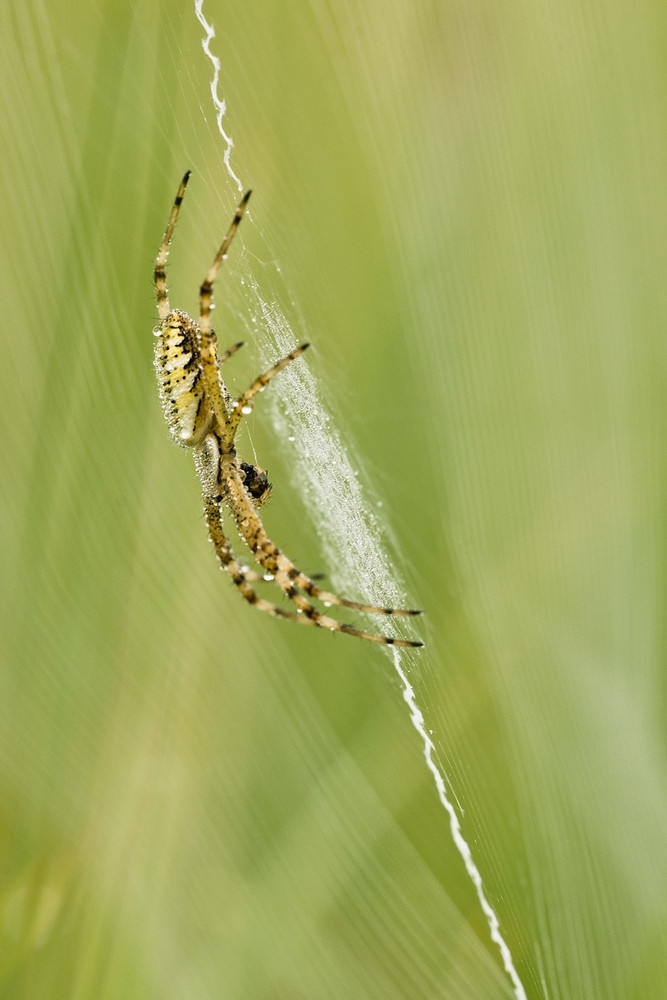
{"points": [[202, 415]]}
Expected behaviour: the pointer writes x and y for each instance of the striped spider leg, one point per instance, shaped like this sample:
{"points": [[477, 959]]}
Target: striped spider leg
{"points": [[202, 415]]}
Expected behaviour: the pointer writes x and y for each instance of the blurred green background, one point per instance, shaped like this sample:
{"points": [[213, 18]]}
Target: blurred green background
{"points": [[467, 206]]}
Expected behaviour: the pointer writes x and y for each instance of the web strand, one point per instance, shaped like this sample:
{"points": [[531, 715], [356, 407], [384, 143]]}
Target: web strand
{"points": [[461, 844], [219, 103]]}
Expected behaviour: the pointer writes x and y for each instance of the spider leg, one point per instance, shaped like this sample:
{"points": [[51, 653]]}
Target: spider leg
{"points": [[253, 577], [216, 378], [238, 573], [160, 272], [214, 386], [309, 615], [206, 288], [226, 355], [307, 584], [274, 561], [310, 612], [241, 404], [287, 576], [292, 580]]}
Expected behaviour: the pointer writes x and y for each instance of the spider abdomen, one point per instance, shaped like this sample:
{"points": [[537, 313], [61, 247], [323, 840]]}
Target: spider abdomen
{"points": [[179, 378]]}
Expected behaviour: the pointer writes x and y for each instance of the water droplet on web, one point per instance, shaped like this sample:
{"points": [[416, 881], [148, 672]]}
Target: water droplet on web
{"points": [[246, 409]]}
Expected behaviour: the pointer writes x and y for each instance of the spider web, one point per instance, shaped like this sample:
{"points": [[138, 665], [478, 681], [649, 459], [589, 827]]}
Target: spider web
{"points": [[348, 530], [351, 535]]}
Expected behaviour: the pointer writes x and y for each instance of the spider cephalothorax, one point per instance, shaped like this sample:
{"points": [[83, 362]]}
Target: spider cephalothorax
{"points": [[202, 415]]}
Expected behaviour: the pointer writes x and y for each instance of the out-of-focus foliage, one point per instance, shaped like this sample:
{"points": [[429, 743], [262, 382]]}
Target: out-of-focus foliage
{"points": [[467, 205]]}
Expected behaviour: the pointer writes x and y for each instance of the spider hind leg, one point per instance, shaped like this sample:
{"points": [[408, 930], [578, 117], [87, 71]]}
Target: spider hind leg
{"points": [[306, 613]]}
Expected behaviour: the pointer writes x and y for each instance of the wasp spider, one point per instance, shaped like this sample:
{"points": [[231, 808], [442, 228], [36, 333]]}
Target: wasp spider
{"points": [[202, 415]]}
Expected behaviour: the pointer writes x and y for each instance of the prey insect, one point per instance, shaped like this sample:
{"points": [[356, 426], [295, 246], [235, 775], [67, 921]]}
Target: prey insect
{"points": [[203, 416]]}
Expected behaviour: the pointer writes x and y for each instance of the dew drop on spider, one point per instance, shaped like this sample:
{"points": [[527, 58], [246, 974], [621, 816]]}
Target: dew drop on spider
{"points": [[246, 410]]}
